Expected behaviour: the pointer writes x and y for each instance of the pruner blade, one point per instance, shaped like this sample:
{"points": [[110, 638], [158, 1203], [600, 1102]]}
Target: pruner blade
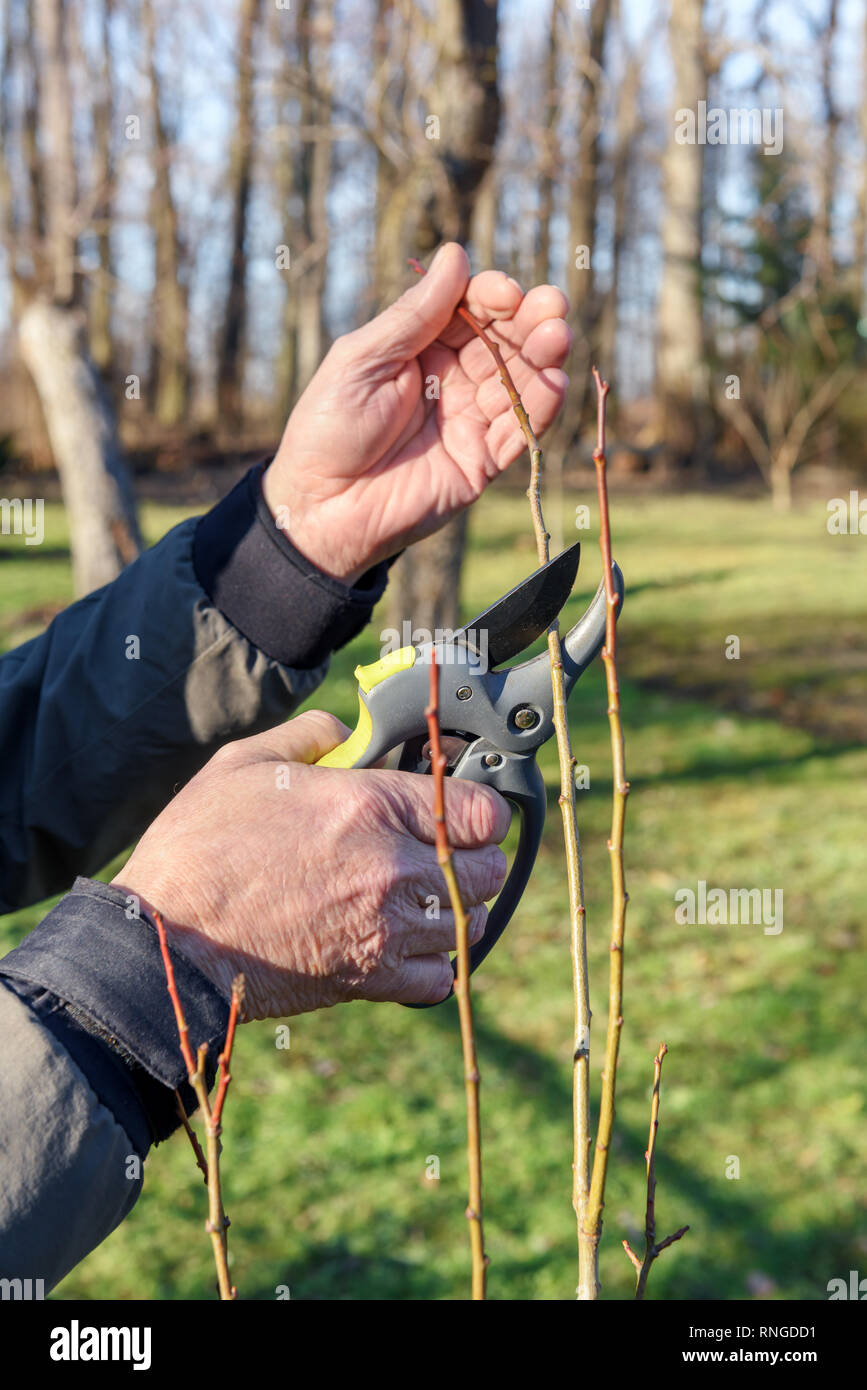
{"points": [[515, 621]]}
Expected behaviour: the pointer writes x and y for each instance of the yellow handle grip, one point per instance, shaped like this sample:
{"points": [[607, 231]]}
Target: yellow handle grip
{"points": [[351, 750]]}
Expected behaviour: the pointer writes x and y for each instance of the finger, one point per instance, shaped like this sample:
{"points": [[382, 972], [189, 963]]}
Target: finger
{"points": [[475, 815], [543, 303], [429, 936], [490, 296], [304, 739], [417, 980], [480, 873], [542, 400], [406, 327], [547, 346]]}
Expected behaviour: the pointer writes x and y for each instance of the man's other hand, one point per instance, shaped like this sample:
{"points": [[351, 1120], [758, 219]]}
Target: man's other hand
{"points": [[321, 885]]}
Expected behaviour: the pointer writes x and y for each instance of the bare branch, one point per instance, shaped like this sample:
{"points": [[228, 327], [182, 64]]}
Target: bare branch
{"points": [[652, 1246], [217, 1224], [462, 992]]}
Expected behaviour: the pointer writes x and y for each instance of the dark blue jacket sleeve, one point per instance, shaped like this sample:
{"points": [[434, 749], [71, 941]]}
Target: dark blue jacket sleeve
{"points": [[220, 630]]}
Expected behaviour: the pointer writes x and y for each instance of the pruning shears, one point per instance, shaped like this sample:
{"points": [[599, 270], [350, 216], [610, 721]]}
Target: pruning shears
{"points": [[494, 718]]}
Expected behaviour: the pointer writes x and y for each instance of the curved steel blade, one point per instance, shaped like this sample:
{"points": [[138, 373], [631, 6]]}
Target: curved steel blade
{"points": [[525, 612]]}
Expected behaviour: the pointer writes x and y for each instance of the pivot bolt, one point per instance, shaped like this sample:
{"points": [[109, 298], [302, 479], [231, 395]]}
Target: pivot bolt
{"points": [[526, 718], [492, 760], [464, 692]]}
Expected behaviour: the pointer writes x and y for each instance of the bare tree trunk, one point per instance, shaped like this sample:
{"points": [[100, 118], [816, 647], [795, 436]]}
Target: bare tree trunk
{"points": [[387, 100], [59, 183], [99, 297], [584, 193], [823, 248], [781, 481], [31, 155], [285, 183], [229, 363], [627, 128], [434, 202], [581, 288], [7, 193], [483, 229], [680, 366], [315, 29], [96, 486], [860, 227], [170, 376], [549, 148]]}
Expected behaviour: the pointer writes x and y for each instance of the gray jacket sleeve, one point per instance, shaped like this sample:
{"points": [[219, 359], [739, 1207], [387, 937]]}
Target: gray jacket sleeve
{"points": [[70, 1172], [220, 630]]}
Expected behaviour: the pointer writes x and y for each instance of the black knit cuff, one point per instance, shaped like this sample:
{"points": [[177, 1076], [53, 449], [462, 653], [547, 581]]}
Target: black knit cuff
{"points": [[106, 968], [268, 590]]}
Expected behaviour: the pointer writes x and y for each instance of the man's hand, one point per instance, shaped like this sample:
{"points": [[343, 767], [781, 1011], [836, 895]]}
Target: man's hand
{"points": [[406, 421], [315, 882]]}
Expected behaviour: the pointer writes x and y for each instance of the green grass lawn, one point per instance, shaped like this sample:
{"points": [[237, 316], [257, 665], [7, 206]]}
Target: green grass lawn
{"points": [[745, 773]]}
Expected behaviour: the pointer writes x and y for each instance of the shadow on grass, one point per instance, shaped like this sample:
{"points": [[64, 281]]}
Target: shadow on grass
{"points": [[734, 1250], [681, 581], [756, 1259], [725, 767], [797, 1263], [334, 1272], [44, 552]]}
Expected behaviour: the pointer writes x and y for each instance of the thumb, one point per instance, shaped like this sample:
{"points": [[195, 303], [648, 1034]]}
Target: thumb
{"points": [[304, 739], [412, 323]]}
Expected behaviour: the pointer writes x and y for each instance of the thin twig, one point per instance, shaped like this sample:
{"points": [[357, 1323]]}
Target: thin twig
{"points": [[462, 992], [620, 791], [192, 1136], [463, 312], [226, 1054], [183, 1031], [218, 1222], [587, 1280], [652, 1247]]}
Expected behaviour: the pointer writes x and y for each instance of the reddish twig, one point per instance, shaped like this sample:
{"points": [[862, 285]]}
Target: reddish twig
{"points": [[462, 992], [226, 1054], [218, 1222], [652, 1247], [505, 375], [192, 1136], [183, 1031]]}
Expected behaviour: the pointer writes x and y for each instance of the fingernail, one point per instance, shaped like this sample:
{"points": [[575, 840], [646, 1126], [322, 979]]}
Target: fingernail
{"points": [[437, 258]]}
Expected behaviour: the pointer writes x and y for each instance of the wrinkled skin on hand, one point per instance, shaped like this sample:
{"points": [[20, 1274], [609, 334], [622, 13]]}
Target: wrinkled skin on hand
{"points": [[316, 890], [372, 459]]}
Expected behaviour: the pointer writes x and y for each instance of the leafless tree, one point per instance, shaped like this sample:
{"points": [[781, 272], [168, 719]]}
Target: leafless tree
{"points": [[100, 289], [680, 362], [170, 370], [234, 319], [778, 408], [52, 326]]}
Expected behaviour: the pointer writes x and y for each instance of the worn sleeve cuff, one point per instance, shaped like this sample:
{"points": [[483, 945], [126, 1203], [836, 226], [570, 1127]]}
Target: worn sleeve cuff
{"points": [[106, 969], [268, 590]]}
